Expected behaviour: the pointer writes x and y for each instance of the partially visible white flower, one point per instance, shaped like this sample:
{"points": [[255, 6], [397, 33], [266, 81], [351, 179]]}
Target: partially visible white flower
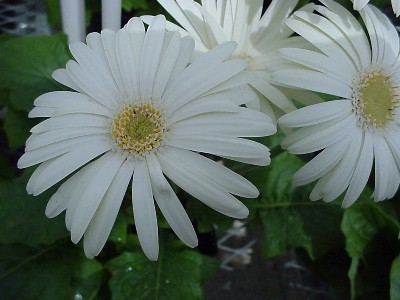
{"points": [[360, 129], [359, 4], [139, 112], [258, 35]]}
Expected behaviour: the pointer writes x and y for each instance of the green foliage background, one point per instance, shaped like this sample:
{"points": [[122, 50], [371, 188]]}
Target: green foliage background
{"points": [[38, 261]]}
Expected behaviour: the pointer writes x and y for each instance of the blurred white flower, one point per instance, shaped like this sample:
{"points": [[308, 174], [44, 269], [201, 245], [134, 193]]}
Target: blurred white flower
{"points": [[359, 4], [362, 127], [139, 112], [258, 35]]}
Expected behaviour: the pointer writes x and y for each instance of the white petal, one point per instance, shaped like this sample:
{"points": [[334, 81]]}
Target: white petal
{"points": [[170, 205], [318, 62], [219, 102], [144, 211], [168, 59], [304, 97], [361, 173], [260, 161], [60, 98], [273, 94], [87, 108], [61, 75], [205, 62], [359, 4], [42, 154], [344, 19], [108, 38], [196, 19], [129, 53], [384, 162], [321, 164], [340, 179], [102, 222], [216, 33], [94, 41], [174, 9], [93, 84], [272, 23], [184, 57], [85, 177], [60, 200], [199, 81], [219, 174], [315, 140], [198, 185], [42, 112], [316, 193], [63, 102], [238, 80], [340, 41], [152, 46], [384, 36], [246, 123], [54, 136], [52, 171], [107, 167], [394, 145], [70, 121], [220, 145], [95, 74], [317, 113], [313, 80], [326, 37], [396, 7]]}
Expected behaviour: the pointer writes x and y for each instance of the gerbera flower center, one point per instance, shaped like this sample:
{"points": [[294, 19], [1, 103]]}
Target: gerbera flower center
{"points": [[138, 129], [374, 99]]}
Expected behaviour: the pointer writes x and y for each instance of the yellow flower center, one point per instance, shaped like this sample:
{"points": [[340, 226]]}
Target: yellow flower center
{"points": [[375, 100], [138, 129]]}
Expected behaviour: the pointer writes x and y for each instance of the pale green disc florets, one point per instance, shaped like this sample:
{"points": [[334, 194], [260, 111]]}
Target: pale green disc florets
{"points": [[138, 129], [374, 99]]}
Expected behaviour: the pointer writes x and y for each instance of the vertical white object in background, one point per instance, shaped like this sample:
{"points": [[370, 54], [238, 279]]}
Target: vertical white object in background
{"points": [[111, 14], [73, 19]]}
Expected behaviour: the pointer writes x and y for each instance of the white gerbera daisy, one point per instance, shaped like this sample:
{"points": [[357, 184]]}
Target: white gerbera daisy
{"points": [[258, 36], [363, 126], [140, 112], [359, 4]]}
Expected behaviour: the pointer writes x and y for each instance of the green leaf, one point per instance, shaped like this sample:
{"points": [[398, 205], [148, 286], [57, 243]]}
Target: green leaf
{"points": [[361, 223], [6, 170], [208, 268], [56, 272], [289, 218], [176, 275], [119, 231], [130, 5], [17, 126], [29, 62], [371, 233], [22, 216], [54, 13], [205, 218], [395, 280], [4, 97], [6, 36]]}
